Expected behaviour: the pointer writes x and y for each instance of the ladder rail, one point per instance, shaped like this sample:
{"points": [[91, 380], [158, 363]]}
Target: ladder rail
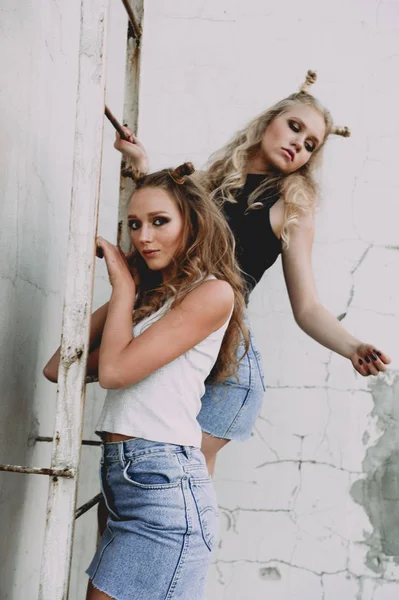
{"points": [[130, 115], [61, 504]]}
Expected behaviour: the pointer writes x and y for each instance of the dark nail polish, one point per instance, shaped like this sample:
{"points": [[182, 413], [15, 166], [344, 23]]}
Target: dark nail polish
{"points": [[373, 356], [377, 352], [366, 358], [360, 361]]}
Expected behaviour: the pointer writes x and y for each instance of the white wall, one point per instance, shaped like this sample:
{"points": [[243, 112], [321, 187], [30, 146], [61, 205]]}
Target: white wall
{"points": [[291, 528], [309, 506]]}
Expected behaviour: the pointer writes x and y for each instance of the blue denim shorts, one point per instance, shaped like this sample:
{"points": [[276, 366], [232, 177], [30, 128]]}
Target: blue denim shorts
{"points": [[230, 409], [163, 522]]}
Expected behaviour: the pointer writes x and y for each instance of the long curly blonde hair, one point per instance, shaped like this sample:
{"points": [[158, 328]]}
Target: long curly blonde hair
{"points": [[228, 167], [207, 248]]}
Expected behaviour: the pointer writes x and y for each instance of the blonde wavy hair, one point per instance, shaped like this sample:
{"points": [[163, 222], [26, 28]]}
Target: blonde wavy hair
{"points": [[228, 167], [207, 248]]}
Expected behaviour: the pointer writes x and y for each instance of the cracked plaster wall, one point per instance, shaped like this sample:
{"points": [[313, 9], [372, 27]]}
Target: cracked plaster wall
{"points": [[309, 507]]}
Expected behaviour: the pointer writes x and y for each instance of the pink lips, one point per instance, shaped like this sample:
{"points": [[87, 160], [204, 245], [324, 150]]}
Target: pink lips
{"points": [[150, 253], [289, 153]]}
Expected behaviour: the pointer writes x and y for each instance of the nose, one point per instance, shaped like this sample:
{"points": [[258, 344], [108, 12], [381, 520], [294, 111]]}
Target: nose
{"points": [[145, 234], [297, 143]]}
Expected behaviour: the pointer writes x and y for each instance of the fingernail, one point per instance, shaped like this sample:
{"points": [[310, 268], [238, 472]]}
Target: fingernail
{"points": [[366, 358], [360, 361], [377, 352], [373, 356]]}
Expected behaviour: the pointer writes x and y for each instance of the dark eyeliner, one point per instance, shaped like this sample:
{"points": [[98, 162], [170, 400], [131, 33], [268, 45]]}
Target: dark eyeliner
{"points": [[130, 224], [163, 220]]}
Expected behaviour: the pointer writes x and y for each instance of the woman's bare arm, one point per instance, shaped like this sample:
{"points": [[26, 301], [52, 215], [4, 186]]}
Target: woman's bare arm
{"points": [[125, 360], [98, 318], [312, 317]]}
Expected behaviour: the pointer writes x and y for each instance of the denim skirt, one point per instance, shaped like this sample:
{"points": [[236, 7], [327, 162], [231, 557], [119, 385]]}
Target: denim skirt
{"points": [[229, 409], [162, 525]]}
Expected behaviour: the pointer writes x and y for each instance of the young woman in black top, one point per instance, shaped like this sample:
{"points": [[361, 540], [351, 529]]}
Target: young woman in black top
{"points": [[263, 180]]}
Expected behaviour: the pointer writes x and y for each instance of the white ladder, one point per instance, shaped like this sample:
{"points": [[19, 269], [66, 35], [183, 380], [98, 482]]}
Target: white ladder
{"points": [[67, 440]]}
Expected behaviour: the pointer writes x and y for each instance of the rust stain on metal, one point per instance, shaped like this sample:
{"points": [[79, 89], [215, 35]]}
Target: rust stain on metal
{"points": [[41, 438], [87, 506], [114, 121], [119, 237], [68, 360], [135, 26], [64, 472]]}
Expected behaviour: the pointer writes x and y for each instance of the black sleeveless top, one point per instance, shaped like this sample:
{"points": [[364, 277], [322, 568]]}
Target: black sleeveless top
{"points": [[257, 246]]}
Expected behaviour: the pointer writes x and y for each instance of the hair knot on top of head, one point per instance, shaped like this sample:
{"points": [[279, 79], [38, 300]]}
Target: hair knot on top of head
{"points": [[180, 173], [343, 131], [311, 77]]}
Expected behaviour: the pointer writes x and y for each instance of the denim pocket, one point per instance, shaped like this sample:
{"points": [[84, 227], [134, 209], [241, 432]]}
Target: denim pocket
{"points": [[154, 471], [208, 514]]}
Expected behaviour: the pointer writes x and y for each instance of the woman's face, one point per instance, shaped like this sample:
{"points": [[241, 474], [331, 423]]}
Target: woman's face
{"points": [[290, 139], [156, 227]]}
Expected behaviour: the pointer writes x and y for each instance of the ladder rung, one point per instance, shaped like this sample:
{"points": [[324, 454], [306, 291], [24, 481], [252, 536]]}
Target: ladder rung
{"points": [[136, 28], [66, 472], [42, 438], [87, 506]]}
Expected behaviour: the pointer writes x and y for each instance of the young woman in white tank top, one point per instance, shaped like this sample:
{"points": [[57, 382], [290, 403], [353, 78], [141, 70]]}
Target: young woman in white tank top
{"points": [[156, 341]]}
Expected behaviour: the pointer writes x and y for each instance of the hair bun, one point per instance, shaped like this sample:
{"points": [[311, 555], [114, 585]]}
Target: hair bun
{"points": [[344, 131], [311, 77], [180, 173]]}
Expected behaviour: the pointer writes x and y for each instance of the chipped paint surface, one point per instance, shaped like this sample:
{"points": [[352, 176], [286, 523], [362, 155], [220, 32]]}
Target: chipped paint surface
{"points": [[86, 177], [378, 490]]}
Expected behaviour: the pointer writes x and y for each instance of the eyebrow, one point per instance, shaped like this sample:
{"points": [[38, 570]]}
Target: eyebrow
{"points": [[313, 137], [150, 214]]}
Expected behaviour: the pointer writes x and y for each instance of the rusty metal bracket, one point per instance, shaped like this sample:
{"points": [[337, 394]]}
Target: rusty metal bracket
{"points": [[87, 506], [136, 28], [42, 438], [114, 121], [54, 472]]}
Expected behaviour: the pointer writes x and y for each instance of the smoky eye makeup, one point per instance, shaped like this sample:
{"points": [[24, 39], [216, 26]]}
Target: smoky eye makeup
{"points": [[133, 224], [158, 221], [295, 126]]}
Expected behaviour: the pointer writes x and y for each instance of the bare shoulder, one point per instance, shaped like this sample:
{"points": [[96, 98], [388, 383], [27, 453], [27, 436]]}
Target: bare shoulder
{"points": [[211, 299], [301, 235]]}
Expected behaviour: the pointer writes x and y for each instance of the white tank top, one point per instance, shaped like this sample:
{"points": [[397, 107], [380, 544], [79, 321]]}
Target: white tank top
{"points": [[163, 407]]}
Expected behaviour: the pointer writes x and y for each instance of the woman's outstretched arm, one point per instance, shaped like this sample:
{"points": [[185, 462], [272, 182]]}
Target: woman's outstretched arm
{"points": [[312, 317]]}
